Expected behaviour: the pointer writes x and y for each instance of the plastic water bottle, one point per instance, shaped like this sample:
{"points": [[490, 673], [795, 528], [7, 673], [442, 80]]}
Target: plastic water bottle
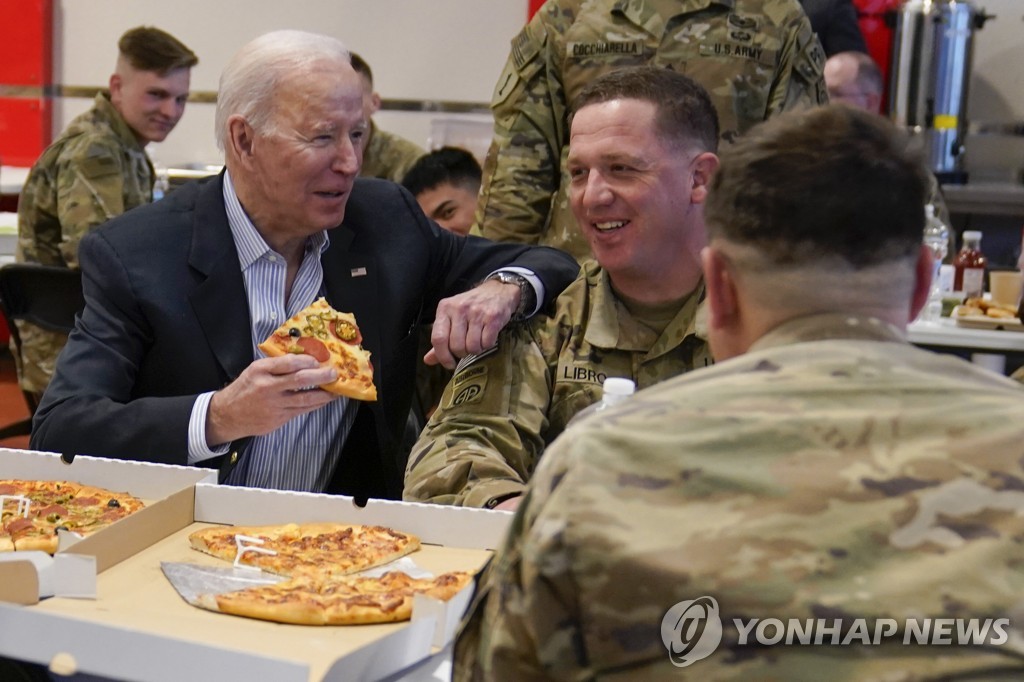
{"points": [[936, 238], [161, 182], [614, 391]]}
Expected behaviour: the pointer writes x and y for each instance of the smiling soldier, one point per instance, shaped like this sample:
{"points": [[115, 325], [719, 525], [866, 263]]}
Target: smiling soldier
{"points": [[97, 169], [641, 153]]}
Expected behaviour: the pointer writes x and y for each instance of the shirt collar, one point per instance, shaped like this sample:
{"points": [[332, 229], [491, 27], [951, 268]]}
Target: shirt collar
{"points": [[248, 242], [829, 326], [603, 330]]}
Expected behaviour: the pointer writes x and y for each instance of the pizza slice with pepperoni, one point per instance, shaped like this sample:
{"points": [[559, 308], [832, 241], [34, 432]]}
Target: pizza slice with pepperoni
{"points": [[333, 338]]}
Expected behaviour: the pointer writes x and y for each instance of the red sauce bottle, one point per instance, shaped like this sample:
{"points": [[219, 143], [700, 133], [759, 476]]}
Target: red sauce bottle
{"points": [[969, 266]]}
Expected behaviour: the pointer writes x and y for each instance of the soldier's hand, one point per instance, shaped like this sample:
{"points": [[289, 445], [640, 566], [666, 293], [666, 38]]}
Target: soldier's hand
{"points": [[267, 394], [470, 322]]}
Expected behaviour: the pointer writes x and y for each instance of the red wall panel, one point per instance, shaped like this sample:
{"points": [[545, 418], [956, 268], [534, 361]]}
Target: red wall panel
{"points": [[26, 74]]}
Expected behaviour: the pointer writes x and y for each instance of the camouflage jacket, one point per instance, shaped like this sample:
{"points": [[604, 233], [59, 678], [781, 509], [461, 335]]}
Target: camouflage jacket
{"points": [[503, 408], [833, 472], [755, 57], [388, 156], [94, 171]]}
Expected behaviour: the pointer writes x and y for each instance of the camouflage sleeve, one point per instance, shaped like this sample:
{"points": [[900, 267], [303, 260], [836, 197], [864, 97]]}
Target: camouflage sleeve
{"points": [[483, 441], [524, 621], [800, 81], [90, 191], [522, 168]]}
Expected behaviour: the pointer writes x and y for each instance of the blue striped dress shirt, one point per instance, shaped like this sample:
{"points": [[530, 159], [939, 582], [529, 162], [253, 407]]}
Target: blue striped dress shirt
{"points": [[302, 454]]}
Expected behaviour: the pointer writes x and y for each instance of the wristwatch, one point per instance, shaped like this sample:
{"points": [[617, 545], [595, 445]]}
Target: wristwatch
{"points": [[527, 295]]}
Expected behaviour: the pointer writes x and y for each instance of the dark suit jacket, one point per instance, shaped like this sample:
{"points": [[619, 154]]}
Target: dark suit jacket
{"points": [[166, 318], [835, 22]]}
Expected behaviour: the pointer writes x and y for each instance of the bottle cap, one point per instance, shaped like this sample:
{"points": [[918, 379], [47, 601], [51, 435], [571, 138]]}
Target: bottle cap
{"points": [[618, 386], [972, 234], [929, 210]]}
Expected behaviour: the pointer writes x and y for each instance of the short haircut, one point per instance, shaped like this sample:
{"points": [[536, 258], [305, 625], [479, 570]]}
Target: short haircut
{"points": [[251, 78], [452, 165], [827, 184], [684, 114], [361, 67], [147, 48]]}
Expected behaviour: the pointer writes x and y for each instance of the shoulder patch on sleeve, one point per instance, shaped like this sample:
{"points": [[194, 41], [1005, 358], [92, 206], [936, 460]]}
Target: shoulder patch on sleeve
{"points": [[97, 162], [526, 45], [473, 357], [810, 63]]}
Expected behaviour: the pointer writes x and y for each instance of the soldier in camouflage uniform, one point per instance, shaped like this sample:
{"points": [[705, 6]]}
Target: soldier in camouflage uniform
{"points": [[386, 155], [822, 469], [755, 57], [98, 169], [641, 153]]}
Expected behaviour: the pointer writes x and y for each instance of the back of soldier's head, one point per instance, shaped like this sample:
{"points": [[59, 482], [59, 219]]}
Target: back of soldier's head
{"points": [[830, 184], [361, 67], [451, 165], [685, 114], [147, 48]]}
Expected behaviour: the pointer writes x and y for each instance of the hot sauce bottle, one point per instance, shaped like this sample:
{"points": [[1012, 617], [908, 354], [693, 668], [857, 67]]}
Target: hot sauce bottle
{"points": [[969, 266]]}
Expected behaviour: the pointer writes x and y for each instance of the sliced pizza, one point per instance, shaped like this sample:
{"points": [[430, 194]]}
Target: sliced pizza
{"points": [[33, 511], [333, 338], [319, 559], [352, 600], [320, 548]]}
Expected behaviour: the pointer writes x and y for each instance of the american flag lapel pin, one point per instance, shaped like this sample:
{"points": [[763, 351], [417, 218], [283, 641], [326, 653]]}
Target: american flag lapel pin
{"points": [[358, 272]]}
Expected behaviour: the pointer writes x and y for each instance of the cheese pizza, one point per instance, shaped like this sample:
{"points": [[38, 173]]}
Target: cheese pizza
{"points": [[320, 559], [326, 548], [334, 339], [341, 600]]}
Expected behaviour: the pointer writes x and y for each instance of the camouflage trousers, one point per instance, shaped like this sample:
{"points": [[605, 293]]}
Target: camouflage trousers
{"points": [[38, 358]]}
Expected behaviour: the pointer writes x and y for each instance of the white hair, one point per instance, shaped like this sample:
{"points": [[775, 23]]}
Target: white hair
{"points": [[248, 82]]}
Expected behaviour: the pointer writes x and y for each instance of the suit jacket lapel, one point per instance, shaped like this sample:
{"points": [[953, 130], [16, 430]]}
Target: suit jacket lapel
{"points": [[350, 280], [219, 299]]}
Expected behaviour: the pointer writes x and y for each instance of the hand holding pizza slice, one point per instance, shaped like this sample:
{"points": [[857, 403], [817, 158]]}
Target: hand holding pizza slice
{"points": [[333, 338]]}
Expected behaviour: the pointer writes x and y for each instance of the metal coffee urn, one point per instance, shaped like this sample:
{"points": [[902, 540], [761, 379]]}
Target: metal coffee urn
{"points": [[929, 74]]}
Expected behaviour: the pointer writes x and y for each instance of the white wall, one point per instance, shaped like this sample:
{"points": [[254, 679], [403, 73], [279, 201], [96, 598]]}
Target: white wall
{"points": [[450, 50], [997, 91]]}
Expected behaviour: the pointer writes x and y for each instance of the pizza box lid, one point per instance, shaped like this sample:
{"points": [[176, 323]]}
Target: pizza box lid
{"points": [[434, 524], [167, 490]]}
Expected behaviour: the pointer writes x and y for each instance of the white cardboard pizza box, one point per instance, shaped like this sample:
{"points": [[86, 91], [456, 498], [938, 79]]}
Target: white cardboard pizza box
{"points": [[165, 489], [160, 637]]}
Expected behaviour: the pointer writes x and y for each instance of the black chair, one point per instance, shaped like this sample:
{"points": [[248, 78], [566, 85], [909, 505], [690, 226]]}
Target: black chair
{"points": [[46, 296]]}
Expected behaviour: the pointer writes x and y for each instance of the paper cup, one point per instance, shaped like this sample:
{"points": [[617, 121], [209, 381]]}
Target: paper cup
{"points": [[1005, 286]]}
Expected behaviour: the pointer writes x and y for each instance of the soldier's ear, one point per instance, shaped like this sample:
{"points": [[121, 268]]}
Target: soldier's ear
{"points": [[115, 88], [721, 289], [704, 167], [725, 321]]}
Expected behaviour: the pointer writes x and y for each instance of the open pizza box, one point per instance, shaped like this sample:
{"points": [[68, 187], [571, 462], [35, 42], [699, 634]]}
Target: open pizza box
{"points": [[25, 577], [158, 636]]}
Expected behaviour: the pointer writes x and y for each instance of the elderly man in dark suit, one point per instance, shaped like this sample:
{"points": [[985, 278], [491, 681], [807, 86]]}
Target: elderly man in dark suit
{"points": [[163, 364]]}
